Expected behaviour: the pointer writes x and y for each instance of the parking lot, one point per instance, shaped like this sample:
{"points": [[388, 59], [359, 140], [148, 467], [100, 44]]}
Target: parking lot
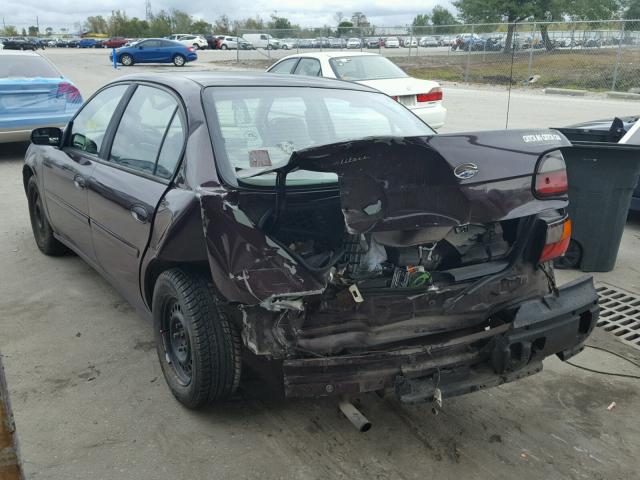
{"points": [[90, 401]]}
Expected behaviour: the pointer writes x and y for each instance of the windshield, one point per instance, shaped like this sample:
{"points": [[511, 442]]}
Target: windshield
{"points": [[365, 67], [262, 126], [26, 66]]}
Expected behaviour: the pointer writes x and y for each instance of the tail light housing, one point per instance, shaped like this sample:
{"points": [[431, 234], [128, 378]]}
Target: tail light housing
{"points": [[434, 95], [190, 49], [557, 240], [70, 92], [551, 176]]}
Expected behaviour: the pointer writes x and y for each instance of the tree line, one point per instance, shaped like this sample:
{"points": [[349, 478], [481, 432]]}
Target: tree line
{"points": [[166, 22]]}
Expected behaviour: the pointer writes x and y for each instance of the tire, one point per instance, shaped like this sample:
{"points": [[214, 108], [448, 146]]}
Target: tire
{"points": [[572, 257], [269, 47], [126, 60], [196, 46], [284, 47], [179, 60], [42, 231], [223, 47], [198, 347]]}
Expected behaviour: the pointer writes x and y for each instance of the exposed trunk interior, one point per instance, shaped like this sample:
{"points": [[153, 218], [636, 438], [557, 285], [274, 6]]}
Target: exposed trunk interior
{"points": [[312, 228]]}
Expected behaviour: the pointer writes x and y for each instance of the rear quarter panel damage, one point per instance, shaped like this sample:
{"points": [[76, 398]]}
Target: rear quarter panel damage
{"points": [[246, 265]]}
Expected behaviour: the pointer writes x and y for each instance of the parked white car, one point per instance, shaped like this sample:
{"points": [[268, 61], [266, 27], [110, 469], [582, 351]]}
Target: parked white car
{"points": [[288, 43], [195, 41], [428, 42], [354, 43], [422, 97], [392, 42], [262, 40], [231, 43]]}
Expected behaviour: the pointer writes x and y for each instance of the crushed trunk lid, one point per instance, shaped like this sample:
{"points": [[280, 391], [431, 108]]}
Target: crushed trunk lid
{"points": [[409, 183]]}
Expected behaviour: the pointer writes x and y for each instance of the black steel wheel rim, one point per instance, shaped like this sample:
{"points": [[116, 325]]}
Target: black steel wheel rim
{"points": [[177, 343]]}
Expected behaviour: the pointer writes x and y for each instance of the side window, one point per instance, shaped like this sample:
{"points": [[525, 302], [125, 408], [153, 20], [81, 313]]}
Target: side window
{"points": [[309, 67], [152, 44], [263, 37], [285, 66], [171, 148], [91, 123], [144, 122]]}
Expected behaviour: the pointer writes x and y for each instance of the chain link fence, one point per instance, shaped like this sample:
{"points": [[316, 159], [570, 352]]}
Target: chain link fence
{"points": [[597, 56]]}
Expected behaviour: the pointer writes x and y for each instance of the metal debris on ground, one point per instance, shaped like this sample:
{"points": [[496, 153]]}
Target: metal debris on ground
{"points": [[9, 461]]}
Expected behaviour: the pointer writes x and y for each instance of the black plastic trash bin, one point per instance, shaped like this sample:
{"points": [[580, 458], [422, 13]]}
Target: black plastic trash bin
{"points": [[602, 175]]}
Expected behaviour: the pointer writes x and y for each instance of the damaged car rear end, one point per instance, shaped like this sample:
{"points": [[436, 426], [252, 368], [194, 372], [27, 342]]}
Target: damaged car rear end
{"points": [[390, 258]]}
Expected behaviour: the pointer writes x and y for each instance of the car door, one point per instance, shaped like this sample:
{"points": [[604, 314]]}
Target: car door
{"points": [[67, 170], [126, 188], [149, 51], [166, 51]]}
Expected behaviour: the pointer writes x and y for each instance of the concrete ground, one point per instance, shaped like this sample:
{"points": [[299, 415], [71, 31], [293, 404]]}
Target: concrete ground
{"points": [[90, 401]]}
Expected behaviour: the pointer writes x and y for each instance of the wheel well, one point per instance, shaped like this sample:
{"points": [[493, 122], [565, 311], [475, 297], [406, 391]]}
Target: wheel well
{"points": [[158, 266]]}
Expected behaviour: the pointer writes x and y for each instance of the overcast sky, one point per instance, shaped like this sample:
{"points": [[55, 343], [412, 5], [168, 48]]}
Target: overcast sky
{"points": [[64, 13]]}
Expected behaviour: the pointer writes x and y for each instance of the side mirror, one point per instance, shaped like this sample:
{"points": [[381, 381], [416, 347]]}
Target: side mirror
{"points": [[51, 136], [140, 47]]}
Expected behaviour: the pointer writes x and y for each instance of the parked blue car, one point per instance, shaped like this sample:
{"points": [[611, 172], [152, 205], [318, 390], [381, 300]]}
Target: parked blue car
{"points": [[33, 93], [155, 50], [90, 43]]}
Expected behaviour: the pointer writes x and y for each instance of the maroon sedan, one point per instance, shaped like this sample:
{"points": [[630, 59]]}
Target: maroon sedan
{"points": [[316, 227], [114, 42]]}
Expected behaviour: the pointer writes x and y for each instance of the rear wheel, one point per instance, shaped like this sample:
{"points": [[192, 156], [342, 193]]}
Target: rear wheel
{"points": [[42, 232], [223, 47], [195, 46], [179, 60], [571, 258], [126, 60], [197, 345]]}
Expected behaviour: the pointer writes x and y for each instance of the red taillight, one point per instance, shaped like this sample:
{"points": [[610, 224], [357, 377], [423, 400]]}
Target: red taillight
{"points": [[434, 95], [557, 240], [395, 97], [190, 49], [551, 176], [70, 92]]}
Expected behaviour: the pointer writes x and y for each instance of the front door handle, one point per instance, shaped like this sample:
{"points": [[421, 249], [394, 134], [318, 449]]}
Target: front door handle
{"points": [[79, 182], [139, 213]]}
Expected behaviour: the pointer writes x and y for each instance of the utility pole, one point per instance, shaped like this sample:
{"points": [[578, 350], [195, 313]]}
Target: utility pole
{"points": [[147, 10]]}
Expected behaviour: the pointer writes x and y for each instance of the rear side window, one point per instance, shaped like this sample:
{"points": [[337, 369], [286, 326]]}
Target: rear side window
{"points": [[142, 129], [91, 123], [284, 66], [309, 67], [171, 148], [26, 66]]}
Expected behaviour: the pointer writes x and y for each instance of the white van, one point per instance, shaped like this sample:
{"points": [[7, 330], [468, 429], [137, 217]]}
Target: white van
{"points": [[262, 40]]}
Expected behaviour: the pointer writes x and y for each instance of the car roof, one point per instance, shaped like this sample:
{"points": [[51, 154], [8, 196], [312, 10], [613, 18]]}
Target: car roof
{"points": [[245, 79], [328, 55]]}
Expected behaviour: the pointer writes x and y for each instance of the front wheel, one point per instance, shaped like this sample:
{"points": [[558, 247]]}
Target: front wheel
{"points": [[223, 47], [198, 346], [126, 60], [179, 61], [42, 232]]}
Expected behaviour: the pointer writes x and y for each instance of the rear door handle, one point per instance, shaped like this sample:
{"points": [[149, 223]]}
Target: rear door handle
{"points": [[139, 213], [79, 182]]}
